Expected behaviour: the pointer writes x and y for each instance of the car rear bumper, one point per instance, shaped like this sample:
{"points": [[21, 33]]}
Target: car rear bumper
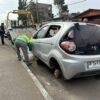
{"points": [[77, 68]]}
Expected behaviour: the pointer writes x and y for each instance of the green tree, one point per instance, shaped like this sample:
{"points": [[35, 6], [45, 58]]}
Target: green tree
{"points": [[22, 6], [61, 7], [32, 8], [58, 2]]}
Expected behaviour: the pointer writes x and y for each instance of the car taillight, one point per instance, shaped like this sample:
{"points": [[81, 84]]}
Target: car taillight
{"points": [[68, 46]]}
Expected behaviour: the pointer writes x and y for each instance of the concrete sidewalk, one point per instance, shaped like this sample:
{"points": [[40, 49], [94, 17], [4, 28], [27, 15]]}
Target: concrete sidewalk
{"points": [[15, 82]]}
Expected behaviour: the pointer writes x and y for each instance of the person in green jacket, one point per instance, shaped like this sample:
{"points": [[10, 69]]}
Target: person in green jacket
{"points": [[22, 41]]}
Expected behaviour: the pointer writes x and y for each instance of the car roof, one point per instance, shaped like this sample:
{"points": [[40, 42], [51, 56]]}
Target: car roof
{"points": [[69, 23], [64, 23]]}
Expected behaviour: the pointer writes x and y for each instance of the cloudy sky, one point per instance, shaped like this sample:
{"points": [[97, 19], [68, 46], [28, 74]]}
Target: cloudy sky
{"points": [[5, 7], [9, 5]]}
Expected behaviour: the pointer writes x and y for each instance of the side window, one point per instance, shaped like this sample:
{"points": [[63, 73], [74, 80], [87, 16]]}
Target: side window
{"points": [[70, 35], [42, 32], [53, 30]]}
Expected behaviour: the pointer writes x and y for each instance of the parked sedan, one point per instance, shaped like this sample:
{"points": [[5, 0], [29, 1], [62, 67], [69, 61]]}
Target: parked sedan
{"points": [[70, 48]]}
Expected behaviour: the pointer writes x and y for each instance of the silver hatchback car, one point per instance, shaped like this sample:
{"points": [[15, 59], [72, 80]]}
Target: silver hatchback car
{"points": [[70, 48]]}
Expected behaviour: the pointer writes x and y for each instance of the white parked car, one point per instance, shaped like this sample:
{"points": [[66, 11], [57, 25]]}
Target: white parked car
{"points": [[70, 48]]}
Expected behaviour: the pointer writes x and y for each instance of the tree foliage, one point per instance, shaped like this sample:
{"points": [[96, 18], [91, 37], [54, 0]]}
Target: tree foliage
{"points": [[61, 7], [22, 6], [64, 8], [58, 2], [32, 8]]}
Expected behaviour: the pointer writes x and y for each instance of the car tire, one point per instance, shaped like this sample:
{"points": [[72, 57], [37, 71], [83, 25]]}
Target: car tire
{"points": [[10, 38], [39, 62], [57, 73], [56, 68]]}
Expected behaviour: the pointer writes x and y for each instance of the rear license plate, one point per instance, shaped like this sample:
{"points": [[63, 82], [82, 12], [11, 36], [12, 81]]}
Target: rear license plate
{"points": [[93, 65]]}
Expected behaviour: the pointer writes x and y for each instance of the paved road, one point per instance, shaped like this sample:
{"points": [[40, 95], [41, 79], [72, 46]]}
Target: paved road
{"points": [[76, 89], [15, 82]]}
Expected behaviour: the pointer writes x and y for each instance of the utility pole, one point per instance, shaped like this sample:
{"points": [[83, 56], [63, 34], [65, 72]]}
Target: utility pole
{"points": [[37, 15]]}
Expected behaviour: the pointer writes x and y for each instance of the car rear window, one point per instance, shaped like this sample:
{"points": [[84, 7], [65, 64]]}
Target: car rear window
{"points": [[86, 39], [87, 34]]}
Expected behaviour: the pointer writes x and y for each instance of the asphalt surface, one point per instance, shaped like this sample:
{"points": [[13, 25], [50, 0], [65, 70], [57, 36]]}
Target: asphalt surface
{"points": [[15, 82], [87, 88]]}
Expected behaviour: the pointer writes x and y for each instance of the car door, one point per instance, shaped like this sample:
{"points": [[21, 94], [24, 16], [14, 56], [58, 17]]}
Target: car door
{"points": [[44, 41], [36, 41], [47, 43]]}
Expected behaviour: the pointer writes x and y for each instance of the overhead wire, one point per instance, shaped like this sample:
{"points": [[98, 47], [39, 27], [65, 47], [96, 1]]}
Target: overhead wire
{"points": [[77, 2]]}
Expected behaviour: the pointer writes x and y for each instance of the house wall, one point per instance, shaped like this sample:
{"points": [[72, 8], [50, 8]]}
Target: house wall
{"points": [[92, 15], [44, 11]]}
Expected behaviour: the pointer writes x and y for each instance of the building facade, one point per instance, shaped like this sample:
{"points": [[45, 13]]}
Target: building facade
{"points": [[41, 12], [90, 15]]}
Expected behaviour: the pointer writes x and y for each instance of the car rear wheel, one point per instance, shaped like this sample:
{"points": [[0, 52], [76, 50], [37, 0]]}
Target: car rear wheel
{"points": [[56, 68], [57, 73]]}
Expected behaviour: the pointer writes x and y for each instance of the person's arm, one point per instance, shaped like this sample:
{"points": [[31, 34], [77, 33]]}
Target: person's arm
{"points": [[30, 46]]}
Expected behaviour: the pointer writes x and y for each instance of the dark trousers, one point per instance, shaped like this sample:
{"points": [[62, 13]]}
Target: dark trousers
{"points": [[2, 39]]}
